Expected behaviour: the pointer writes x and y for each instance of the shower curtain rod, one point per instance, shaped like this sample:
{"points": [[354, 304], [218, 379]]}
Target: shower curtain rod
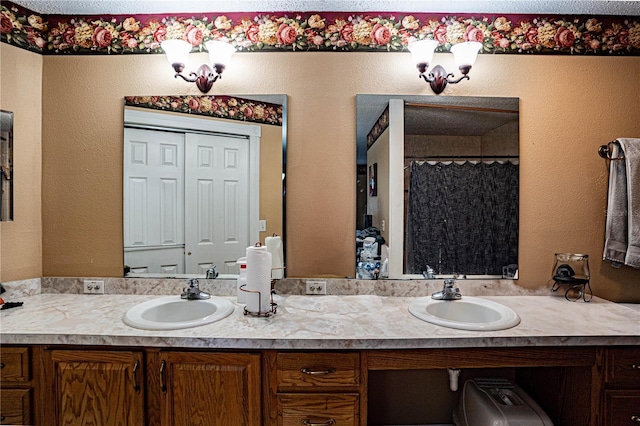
{"points": [[466, 157]]}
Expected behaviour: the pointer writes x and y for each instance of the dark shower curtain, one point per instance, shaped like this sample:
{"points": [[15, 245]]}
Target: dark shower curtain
{"points": [[462, 218]]}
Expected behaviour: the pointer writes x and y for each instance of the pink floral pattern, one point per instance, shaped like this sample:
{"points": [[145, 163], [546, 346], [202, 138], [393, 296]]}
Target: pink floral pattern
{"points": [[229, 107], [378, 128], [328, 31]]}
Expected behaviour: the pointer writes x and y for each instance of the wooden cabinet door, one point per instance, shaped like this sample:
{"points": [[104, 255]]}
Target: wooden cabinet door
{"points": [[97, 387], [15, 407], [623, 367], [210, 389], [16, 394], [621, 407]]}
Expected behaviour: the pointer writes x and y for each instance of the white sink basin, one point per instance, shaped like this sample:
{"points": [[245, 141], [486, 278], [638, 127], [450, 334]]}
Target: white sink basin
{"points": [[173, 313], [468, 313]]}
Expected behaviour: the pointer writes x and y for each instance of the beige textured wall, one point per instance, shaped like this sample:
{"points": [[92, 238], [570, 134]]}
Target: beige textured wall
{"points": [[569, 106], [21, 93], [271, 180]]}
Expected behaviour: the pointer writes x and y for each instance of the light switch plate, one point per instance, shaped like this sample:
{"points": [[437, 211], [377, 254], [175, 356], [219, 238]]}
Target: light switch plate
{"points": [[263, 225]]}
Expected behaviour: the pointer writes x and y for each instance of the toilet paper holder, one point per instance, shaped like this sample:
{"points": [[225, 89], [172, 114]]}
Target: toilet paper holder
{"points": [[265, 314]]}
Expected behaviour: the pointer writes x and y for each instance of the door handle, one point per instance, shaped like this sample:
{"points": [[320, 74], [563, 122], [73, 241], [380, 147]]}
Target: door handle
{"points": [[308, 422], [163, 384], [136, 384], [310, 372]]}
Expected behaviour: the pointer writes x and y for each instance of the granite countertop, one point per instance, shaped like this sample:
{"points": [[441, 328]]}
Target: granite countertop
{"points": [[318, 322]]}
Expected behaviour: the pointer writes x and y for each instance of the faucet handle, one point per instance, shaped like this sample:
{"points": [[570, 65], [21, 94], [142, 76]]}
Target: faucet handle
{"points": [[193, 285], [449, 282], [212, 273]]}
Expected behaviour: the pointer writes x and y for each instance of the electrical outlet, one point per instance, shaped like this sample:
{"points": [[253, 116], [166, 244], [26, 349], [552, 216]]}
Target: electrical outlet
{"points": [[94, 286], [316, 287], [263, 225]]}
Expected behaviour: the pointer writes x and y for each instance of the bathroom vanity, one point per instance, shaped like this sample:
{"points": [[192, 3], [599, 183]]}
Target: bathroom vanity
{"points": [[344, 360]]}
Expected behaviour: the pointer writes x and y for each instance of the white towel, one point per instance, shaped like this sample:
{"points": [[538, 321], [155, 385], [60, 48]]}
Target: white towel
{"points": [[274, 246], [622, 233]]}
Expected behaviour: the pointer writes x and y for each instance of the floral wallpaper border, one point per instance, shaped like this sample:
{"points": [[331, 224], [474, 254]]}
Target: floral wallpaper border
{"points": [[325, 31], [378, 128], [229, 107]]}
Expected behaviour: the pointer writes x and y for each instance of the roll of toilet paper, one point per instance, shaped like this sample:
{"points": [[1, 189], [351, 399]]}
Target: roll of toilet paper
{"points": [[274, 246], [258, 279]]}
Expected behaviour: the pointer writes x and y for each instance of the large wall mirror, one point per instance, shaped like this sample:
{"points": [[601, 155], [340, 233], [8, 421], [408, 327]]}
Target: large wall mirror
{"points": [[6, 165], [438, 187], [204, 178]]}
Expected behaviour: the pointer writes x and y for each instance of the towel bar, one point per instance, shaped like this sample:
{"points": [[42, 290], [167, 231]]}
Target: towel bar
{"points": [[605, 152]]}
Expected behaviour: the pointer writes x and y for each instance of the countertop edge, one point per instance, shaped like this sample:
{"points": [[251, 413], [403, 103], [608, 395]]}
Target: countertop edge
{"points": [[315, 344]]}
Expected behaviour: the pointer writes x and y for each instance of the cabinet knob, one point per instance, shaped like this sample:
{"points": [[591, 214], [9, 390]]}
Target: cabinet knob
{"points": [[1, 365], [312, 372], [308, 422], [635, 366], [635, 419]]}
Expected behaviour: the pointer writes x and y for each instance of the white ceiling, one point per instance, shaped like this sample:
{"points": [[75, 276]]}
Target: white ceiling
{"points": [[566, 7]]}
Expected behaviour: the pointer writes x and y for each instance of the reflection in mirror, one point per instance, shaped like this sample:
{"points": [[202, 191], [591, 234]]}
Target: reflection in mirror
{"points": [[6, 165], [444, 199], [203, 180]]}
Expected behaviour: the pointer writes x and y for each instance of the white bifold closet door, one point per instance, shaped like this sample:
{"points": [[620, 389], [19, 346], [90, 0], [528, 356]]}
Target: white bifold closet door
{"points": [[216, 202], [154, 201], [186, 201]]}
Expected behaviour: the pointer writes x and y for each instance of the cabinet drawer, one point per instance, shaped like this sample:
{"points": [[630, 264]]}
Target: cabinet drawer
{"points": [[312, 370], [622, 407], [15, 407], [623, 366], [318, 409], [14, 365]]}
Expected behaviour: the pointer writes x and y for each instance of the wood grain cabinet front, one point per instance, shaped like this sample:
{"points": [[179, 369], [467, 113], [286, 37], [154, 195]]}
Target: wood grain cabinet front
{"points": [[16, 401], [14, 364], [309, 371], [622, 407], [95, 387], [151, 386], [318, 409], [315, 388], [15, 406], [209, 389], [621, 402], [623, 367]]}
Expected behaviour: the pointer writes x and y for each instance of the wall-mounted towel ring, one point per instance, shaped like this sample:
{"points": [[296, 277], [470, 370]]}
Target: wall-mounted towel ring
{"points": [[605, 151]]}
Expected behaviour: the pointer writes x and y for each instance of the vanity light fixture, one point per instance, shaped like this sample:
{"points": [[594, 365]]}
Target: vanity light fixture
{"points": [[219, 55], [464, 54]]}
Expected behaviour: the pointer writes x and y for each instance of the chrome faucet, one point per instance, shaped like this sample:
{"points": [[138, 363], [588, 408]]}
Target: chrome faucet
{"points": [[428, 274], [449, 292], [212, 273], [193, 292]]}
